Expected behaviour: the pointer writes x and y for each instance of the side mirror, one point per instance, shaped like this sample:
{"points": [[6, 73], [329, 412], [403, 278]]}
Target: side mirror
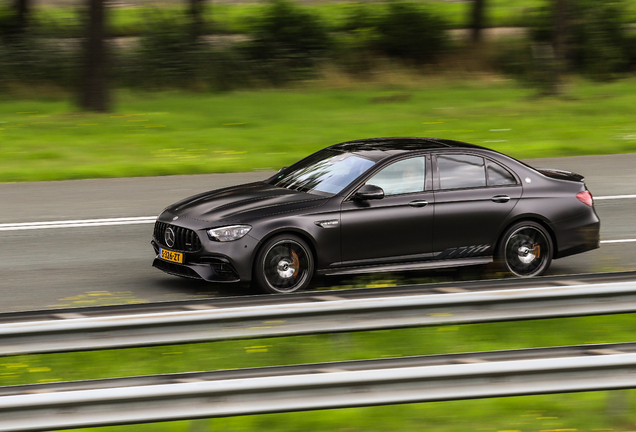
{"points": [[281, 173], [369, 192]]}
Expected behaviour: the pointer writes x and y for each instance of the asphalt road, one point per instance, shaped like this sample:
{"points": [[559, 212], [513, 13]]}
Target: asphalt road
{"points": [[95, 265]]}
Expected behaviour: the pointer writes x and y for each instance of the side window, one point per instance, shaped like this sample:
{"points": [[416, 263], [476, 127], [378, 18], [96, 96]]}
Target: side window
{"points": [[405, 176], [461, 171], [499, 176]]}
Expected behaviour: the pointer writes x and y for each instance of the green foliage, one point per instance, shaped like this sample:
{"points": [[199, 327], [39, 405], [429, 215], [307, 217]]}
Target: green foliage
{"points": [[8, 21], [599, 37], [598, 44], [32, 56], [286, 41], [166, 55], [400, 30], [355, 46], [169, 55], [411, 33]]}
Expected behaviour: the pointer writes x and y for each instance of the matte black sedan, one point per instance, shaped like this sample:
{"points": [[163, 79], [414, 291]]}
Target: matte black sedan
{"points": [[384, 204]]}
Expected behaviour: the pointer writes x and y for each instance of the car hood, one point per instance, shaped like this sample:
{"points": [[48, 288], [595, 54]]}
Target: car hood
{"points": [[561, 174], [244, 202]]}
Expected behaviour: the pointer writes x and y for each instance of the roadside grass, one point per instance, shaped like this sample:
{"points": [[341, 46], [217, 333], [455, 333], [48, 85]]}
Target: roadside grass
{"points": [[583, 411], [177, 132]]}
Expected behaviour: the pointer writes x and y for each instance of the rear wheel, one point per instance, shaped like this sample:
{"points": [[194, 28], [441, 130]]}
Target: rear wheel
{"points": [[283, 265], [525, 249]]}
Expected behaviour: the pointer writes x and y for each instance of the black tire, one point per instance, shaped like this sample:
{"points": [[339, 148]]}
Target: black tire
{"points": [[525, 249], [283, 265]]}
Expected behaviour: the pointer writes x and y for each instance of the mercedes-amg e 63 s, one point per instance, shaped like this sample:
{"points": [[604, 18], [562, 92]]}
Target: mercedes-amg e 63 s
{"points": [[375, 205]]}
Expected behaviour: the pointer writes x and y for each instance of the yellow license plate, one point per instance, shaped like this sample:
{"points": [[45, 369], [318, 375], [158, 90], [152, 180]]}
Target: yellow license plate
{"points": [[171, 256]]}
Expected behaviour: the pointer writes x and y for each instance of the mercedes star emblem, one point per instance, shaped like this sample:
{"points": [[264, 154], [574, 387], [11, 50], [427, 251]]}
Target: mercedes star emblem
{"points": [[169, 237]]}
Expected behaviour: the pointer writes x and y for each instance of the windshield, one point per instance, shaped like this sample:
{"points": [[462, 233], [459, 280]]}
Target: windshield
{"points": [[326, 171]]}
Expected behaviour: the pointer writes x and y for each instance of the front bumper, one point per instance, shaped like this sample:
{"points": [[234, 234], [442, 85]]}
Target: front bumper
{"points": [[223, 262]]}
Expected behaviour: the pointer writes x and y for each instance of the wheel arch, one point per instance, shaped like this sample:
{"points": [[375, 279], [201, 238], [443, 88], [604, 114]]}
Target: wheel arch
{"points": [[311, 242], [528, 218]]}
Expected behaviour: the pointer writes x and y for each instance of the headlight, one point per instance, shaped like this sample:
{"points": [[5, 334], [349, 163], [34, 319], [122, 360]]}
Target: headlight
{"points": [[228, 233]]}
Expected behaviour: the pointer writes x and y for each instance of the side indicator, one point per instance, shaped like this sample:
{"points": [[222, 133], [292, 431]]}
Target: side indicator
{"points": [[585, 197], [328, 223]]}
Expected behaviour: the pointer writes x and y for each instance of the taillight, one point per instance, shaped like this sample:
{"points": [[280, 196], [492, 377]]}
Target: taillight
{"points": [[585, 197]]}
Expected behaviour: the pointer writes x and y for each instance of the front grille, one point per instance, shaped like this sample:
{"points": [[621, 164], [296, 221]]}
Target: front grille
{"points": [[185, 240]]}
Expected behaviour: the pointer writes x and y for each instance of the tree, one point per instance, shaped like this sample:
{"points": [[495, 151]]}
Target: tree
{"points": [[196, 15], [559, 43], [22, 9], [477, 20], [94, 94]]}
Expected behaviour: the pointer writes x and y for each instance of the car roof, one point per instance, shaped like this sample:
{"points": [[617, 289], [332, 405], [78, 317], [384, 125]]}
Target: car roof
{"points": [[379, 147]]}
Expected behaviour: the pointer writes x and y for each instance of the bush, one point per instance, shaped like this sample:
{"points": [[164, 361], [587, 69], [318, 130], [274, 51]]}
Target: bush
{"points": [[400, 30], [167, 54], [286, 42], [32, 56], [598, 44], [411, 33]]}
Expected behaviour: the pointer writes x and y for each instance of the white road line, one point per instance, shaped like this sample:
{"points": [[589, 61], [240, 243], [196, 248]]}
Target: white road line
{"points": [[618, 241], [614, 197], [76, 223]]}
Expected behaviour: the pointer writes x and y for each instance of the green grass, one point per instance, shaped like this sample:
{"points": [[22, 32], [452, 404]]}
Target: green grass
{"points": [[184, 133], [586, 411]]}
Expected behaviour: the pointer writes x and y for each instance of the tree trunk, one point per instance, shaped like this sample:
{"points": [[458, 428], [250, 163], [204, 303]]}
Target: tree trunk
{"points": [[477, 20], [561, 29], [196, 16], [94, 94], [22, 9], [559, 43]]}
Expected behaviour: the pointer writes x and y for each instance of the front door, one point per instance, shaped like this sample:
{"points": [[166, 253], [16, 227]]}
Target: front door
{"points": [[397, 228]]}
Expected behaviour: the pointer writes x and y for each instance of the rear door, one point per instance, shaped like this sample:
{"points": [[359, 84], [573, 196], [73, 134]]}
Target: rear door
{"points": [[473, 197]]}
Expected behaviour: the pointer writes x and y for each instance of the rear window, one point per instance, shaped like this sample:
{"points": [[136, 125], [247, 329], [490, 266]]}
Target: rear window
{"points": [[461, 171], [499, 176]]}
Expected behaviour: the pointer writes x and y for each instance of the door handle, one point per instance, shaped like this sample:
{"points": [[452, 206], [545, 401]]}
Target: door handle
{"points": [[418, 203], [500, 198]]}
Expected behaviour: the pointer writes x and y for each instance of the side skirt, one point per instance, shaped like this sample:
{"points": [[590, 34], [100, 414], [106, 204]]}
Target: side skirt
{"points": [[434, 264]]}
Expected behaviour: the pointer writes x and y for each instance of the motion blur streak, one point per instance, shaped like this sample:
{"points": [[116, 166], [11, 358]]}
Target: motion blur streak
{"points": [[613, 197], [76, 223]]}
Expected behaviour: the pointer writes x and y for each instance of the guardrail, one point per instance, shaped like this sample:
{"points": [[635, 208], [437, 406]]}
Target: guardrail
{"points": [[336, 315], [317, 295], [45, 407]]}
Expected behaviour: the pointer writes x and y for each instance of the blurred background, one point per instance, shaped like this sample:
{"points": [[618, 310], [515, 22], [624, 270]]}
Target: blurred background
{"points": [[227, 45], [94, 89], [207, 85]]}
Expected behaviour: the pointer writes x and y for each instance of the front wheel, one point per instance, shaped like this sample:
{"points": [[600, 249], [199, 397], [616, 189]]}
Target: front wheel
{"points": [[283, 265], [525, 249]]}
